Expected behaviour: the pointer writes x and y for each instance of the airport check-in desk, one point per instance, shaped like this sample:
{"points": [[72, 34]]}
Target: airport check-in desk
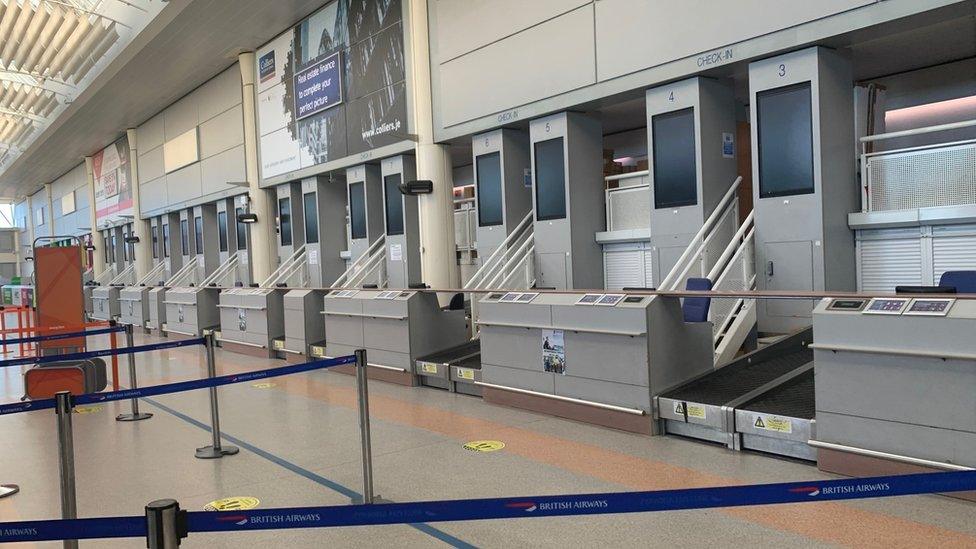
{"points": [[157, 308], [252, 317], [395, 327], [191, 310], [618, 350], [134, 305], [898, 376], [105, 302], [303, 317]]}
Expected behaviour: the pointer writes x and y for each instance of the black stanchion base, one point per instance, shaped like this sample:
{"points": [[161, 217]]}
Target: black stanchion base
{"points": [[133, 417], [8, 490], [209, 452]]}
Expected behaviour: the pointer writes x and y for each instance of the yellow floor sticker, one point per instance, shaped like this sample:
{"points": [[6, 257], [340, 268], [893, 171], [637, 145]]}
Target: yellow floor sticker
{"points": [[236, 503], [88, 409], [264, 385], [484, 445]]}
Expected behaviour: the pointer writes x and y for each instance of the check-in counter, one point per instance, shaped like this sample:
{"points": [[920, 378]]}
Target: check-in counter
{"points": [[304, 325], [105, 302], [134, 305], [252, 318], [599, 358], [395, 327], [157, 310], [191, 310], [895, 384]]}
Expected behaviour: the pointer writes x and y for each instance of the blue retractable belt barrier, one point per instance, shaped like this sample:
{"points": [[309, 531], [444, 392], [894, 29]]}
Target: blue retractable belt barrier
{"points": [[33, 339], [177, 387], [100, 352], [506, 508]]}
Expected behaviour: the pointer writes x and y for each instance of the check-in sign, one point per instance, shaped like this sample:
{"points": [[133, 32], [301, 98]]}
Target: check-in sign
{"points": [[318, 87]]}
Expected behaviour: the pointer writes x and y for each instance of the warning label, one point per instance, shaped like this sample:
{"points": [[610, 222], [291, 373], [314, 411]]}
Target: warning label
{"points": [[465, 373], [774, 423], [696, 411]]}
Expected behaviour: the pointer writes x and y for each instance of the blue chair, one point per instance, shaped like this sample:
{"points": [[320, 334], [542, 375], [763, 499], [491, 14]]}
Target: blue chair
{"points": [[695, 309], [963, 281]]}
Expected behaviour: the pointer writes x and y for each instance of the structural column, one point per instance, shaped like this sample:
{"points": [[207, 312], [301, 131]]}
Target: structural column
{"points": [[50, 208], [98, 258], [30, 239], [140, 226], [438, 245], [262, 232]]}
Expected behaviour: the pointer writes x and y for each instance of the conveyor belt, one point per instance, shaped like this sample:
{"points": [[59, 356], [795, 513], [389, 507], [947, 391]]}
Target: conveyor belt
{"points": [[704, 407], [455, 355], [795, 398], [736, 379]]}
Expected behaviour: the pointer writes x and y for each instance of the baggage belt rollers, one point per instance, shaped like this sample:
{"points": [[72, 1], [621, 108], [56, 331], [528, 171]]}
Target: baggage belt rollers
{"points": [[716, 405]]}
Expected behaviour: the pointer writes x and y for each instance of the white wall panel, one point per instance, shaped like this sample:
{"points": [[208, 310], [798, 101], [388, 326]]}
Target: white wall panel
{"points": [[150, 164], [222, 132], [465, 25], [150, 135], [183, 185], [219, 93], [181, 116], [219, 170], [545, 60], [636, 34], [153, 194]]}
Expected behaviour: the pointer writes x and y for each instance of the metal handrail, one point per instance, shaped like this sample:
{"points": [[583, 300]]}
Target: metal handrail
{"points": [[376, 260], [361, 261], [918, 131], [490, 264], [124, 276], [223, 270], [286, 269], [669, 281], [157, 270], [735, 244], [702, 246], [520, 255], [182, 276], [105, 276]]}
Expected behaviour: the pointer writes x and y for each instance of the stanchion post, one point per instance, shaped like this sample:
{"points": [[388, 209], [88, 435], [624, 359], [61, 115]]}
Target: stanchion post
{"points": [[3, 327], [66, 460], [135, 414], [363, 389], [115, 358], [165, 524], [215, 450]]}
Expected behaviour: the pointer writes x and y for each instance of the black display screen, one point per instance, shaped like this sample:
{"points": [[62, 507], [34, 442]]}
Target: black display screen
{"points": [[311, 218], [675, 165], [241, 230], [155, 241], [284, 220], [785, 121], [166, 240], [489, 183], [198, 234], [222, 230], [550, 180], [185, 236], [394, 204], [357, 210]]}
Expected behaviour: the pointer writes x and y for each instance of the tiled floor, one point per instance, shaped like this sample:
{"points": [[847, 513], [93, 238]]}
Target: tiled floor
{"points": [[300, 446]]}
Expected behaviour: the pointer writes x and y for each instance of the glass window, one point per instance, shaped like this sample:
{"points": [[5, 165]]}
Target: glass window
{"points": [[284, 220], [357, 210], [550, 180], [222, 230], [785, 120], [241, 230], [311, 218], [675, 173], [155, 241], [198, 234], [489, 183], [166, 240], [185, 236], [394, 204]]}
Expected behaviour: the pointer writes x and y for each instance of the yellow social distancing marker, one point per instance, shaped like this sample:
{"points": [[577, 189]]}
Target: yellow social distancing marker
{"points": [[484, 445], [88, 409], [264, 385], [236, 503]]}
